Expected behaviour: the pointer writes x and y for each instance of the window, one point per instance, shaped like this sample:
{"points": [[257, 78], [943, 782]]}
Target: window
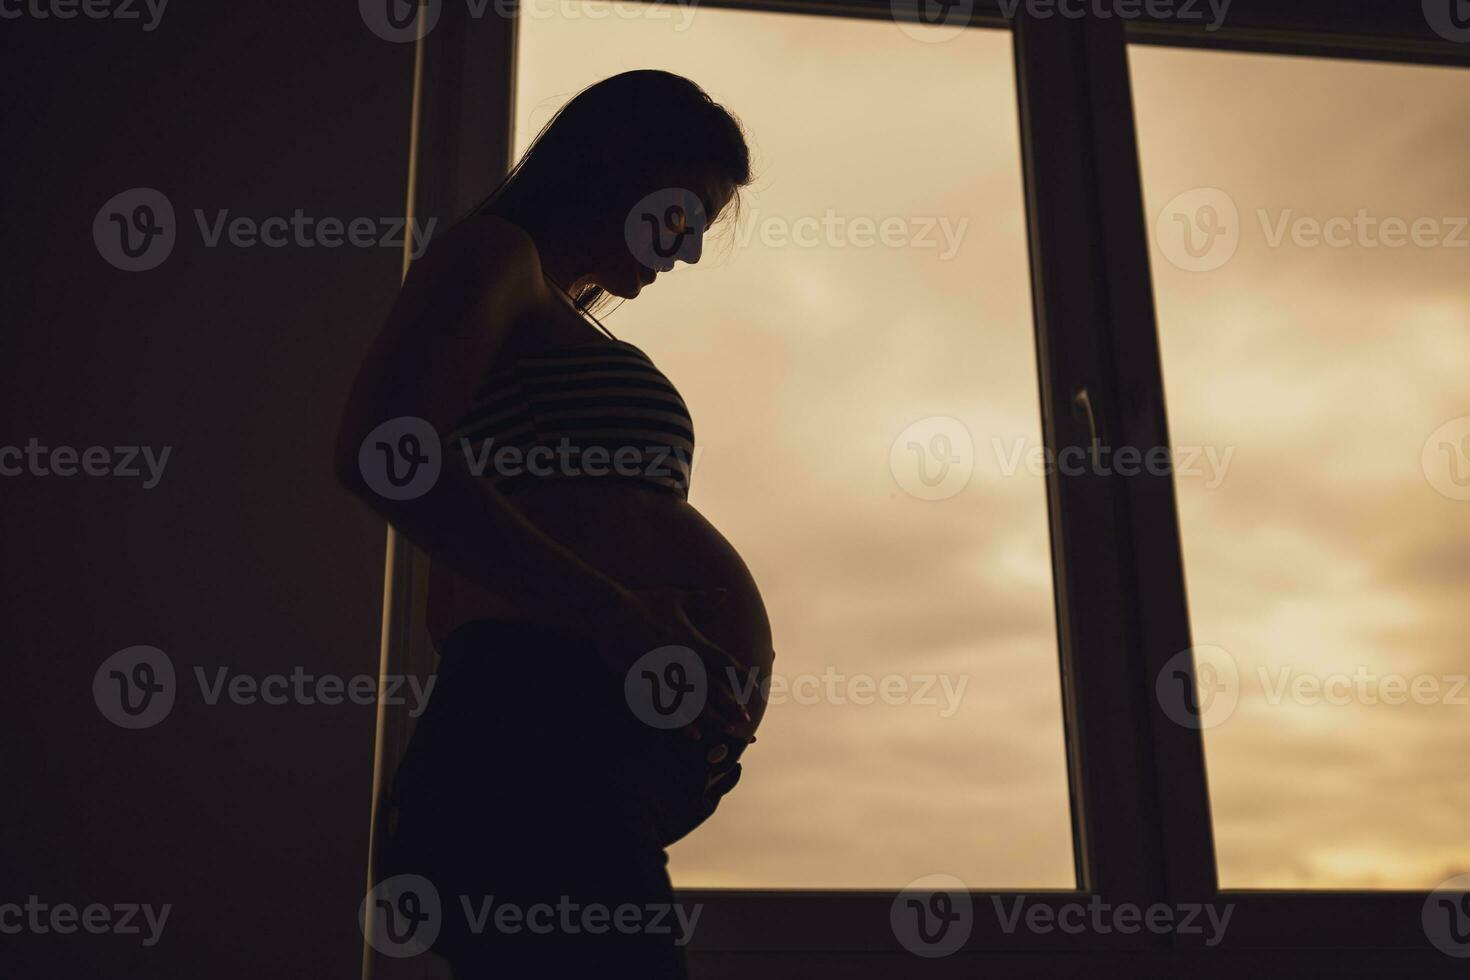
{"points": [[1365, 574], [1310, 270]]}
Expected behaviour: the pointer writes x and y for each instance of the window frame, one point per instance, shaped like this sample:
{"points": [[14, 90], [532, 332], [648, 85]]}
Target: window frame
{"points": [[1140, 804]]}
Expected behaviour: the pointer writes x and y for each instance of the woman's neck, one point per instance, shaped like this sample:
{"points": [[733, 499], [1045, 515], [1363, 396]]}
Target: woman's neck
{"points": [[560, 258]]}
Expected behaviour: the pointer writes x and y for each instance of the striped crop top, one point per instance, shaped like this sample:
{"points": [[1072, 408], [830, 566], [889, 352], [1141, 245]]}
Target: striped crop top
{"points": [[589, 410]]}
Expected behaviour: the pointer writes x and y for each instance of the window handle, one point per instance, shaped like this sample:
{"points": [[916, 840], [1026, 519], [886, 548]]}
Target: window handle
{"points": [[1082, 411]]}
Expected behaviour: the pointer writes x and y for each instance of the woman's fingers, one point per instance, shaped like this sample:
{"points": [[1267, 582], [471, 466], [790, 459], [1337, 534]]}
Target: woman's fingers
{"points": [[663, 616], [725, 681], [722, 680]]}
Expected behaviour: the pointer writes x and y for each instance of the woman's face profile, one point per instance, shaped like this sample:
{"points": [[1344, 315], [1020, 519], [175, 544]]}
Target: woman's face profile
{"points": [[664, 226]]}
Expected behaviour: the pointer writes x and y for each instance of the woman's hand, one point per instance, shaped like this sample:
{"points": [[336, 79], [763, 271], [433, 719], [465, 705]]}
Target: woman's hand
{"points": [[642, 620]]}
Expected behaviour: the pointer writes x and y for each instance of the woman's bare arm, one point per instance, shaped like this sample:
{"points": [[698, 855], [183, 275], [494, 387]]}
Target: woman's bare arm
{"points": [[443, 332]]}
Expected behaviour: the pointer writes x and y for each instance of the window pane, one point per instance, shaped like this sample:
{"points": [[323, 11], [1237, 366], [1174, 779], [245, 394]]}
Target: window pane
{"points": [[874, 288], [1310, 263]]}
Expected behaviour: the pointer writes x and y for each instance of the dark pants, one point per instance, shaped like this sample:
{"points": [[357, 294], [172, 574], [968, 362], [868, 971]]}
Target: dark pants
{"points": [[539, 807]]}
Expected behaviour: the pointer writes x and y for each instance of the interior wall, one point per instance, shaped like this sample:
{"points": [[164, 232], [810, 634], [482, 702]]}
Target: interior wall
{"points": [[248, 820]]}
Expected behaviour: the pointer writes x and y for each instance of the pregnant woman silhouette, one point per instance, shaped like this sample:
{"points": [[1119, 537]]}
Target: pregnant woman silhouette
{"points": [[576, 597]]}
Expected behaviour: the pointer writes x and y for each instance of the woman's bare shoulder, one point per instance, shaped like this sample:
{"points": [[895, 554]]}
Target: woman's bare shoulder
{"points": [[487, 242], [485, 256]]}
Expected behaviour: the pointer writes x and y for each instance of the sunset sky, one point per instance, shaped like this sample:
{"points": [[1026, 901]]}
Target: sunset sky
{"points": [[815, 355], [1331, 549]]}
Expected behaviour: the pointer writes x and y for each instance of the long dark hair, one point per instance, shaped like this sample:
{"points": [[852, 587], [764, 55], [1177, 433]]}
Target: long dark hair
{"points": [[606, 143]]}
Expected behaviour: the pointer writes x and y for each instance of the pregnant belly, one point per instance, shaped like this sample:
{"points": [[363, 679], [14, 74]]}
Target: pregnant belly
{"points": [[642, 538]]}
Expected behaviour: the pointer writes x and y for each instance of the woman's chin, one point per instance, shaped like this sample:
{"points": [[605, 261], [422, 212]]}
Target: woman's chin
{"points": [[631, 286]]}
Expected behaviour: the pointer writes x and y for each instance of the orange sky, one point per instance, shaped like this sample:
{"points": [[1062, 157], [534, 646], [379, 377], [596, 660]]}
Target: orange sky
{"points": [[1329, 554], [875, 296]]}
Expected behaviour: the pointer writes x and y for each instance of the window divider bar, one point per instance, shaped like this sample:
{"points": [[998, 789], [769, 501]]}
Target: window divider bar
{"points": [[1118, 819], [1156, 567]]}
